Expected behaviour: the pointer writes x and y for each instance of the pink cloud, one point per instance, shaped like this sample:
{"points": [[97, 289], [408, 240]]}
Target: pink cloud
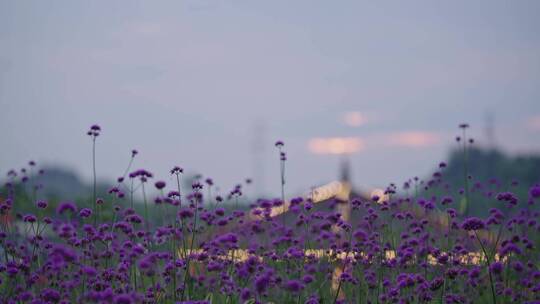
{"points": [[413, 139], [533, 122], [354, 119], [336, 145]]}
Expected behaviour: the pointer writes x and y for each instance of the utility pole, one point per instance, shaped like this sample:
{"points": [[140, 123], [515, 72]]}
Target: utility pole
{"points": [[258, 153]]}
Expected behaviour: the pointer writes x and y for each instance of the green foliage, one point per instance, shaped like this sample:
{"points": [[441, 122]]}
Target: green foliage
{"points": [[496, 171]]}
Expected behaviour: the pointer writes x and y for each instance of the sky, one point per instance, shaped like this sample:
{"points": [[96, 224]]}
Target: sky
{"points": [[211, 85]]}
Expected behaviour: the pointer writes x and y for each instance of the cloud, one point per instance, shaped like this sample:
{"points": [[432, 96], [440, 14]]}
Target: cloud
{"points": [[533, 122], [336, 145], [415, 139], [354, 119]]}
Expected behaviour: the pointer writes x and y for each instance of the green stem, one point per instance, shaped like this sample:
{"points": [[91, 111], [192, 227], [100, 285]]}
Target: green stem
{"points": [[146, 219], [465, 172], [494, 297], [95, 180]]}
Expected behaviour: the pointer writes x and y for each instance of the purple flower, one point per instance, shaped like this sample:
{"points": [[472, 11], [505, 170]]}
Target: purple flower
{"points": [[496, 267], [294, 285], [473, 223], [66, 206], [518, 266], [30, 218], [160, 185], [308, 279], [173, 193], [12, 271], [185, 213], [177, 170], [446, 200], [123, 299], [41, 204], [220, 212], [508, 248], [228, 238], [85, 212], [360, 234], [94, 131], [436, 283], [534, 192], [89, 271], [261, 283], [214, 266], [143, 174], [50, 295], [245, 294], [25, 296], [134, 218], [508, 197]]}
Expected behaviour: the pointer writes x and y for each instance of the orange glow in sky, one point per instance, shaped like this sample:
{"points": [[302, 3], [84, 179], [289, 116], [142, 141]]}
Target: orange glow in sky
{"points": [[354, 119], [414, 139], [336, 145]]}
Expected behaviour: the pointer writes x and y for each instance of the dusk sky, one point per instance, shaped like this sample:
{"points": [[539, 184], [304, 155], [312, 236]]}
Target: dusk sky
{"points": [[211, 85]]}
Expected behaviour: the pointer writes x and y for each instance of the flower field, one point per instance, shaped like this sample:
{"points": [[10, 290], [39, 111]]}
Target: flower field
{"points": [[417, 243]]}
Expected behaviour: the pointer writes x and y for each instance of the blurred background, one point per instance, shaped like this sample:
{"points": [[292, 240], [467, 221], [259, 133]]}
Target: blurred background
{"points": [[211, 85]]}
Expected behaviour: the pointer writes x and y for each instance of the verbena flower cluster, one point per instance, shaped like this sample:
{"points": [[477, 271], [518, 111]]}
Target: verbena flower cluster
{"points": [[204, 248]]}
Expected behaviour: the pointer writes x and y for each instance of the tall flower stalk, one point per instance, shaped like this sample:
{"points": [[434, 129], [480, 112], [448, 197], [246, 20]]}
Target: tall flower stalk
{"points": [[143, 176], [463, 139], [282, 158], [176, 171], [94, 132], [474, 224]]}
